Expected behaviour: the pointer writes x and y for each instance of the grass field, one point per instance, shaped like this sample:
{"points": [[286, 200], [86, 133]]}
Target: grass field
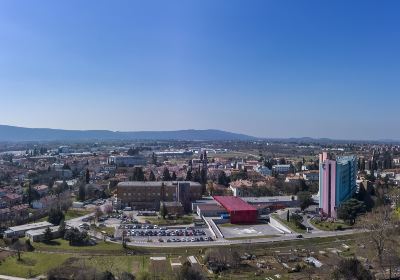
{"points": [[75, 213], [290, 225], [185, 220], [330, 226], [61, 245], [31, 264], [108, 230]]}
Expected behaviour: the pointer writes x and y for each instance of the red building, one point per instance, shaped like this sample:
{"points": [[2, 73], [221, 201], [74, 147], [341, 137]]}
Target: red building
{"points": [[240, 211]]}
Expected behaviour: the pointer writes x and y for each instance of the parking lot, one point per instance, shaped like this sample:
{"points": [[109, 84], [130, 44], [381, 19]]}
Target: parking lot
{"points": [[153, 233]]}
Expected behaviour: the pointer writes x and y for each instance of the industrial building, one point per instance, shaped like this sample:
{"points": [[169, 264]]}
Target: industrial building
{"points": [[19, 231], [240, 212]]}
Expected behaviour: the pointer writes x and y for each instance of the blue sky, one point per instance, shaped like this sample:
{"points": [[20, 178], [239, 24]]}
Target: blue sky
{"points": [[265, 68]]}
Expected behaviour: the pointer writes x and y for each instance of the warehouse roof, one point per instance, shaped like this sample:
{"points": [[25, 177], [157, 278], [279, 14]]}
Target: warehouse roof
{"points": [[233, 203]]}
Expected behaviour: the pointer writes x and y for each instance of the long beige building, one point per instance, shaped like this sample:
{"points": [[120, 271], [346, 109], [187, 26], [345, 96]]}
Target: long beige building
{"points": [[148, 195]]}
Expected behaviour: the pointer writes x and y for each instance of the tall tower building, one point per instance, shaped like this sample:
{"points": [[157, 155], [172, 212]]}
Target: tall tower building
{"points": [[337, 182]]}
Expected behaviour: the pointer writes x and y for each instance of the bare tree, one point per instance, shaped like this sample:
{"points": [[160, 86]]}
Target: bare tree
{"points": [[18, 246], [380, 226]]}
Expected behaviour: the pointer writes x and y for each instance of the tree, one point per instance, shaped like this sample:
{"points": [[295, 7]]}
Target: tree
{"points": [[223, 179], [381, 227], [18, 246], [98, 213], [55, 216], [138, 174], [305, 199], [163, 211], [126, 276], [48, 235], [351, 269], [82, 192], [210, 188], [173, 177], [297, 219], [187, 272], [108, 209], [154, 159], [133, 152], [189, 176], [350, 209], [62, 228], [241, 175], [87, 176], [76, 237], [152, 177], [166, 176]]}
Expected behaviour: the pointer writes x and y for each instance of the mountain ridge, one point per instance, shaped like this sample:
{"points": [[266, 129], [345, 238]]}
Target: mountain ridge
{"points": [[16, 133]]}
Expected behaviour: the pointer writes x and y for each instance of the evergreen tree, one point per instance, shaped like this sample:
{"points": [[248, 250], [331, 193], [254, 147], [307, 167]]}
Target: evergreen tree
{"points": [[48, 235], [189, 176], [166, 176], [223, 179], [154, 159], [62, 228], [173, 178], [152, 177], [87, 176], [82, 192], [138, 174], [55, 216]]}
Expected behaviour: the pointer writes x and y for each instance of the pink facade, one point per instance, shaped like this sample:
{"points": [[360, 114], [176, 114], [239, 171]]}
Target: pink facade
{"points": [[328, 191]]}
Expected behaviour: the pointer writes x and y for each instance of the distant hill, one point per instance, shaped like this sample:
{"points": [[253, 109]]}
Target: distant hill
{"points": [[14, 133]]}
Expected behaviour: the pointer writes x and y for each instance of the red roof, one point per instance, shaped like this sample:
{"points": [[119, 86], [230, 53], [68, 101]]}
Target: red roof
{"points": [[233, 203]]}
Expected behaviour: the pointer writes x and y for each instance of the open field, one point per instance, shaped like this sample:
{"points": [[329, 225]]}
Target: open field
{"points": [[31, 264], [61, 245], [112, 257]]}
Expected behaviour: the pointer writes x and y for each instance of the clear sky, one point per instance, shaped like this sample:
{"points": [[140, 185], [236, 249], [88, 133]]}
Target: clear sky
{"points": [[265, 68]]}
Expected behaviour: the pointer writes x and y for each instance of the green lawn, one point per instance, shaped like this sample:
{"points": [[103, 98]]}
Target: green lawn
{"points": [[185, 220], [290, 225], [63, 245], [75, 213], [108, 230], [31, 264], [330, 226]]}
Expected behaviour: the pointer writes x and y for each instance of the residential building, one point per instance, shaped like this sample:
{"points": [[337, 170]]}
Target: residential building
{"points": [[282, 168], [337, 182], [263, 170]]}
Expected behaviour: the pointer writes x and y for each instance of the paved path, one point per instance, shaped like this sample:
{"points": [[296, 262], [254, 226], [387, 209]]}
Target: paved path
{"points": [[6, 277]]}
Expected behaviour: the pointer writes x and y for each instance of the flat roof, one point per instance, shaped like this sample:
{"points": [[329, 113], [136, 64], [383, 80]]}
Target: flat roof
{"points": [[210, 207], [269, 199], [31, 226], [233, 203], [154, 184]]}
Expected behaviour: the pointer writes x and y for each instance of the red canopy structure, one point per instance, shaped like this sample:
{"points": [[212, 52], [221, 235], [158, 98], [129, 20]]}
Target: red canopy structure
{"points": [[240, 211]]}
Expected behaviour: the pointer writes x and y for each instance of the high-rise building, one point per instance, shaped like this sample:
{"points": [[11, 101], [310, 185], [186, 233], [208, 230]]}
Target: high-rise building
{"points": [[337, 182]]}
